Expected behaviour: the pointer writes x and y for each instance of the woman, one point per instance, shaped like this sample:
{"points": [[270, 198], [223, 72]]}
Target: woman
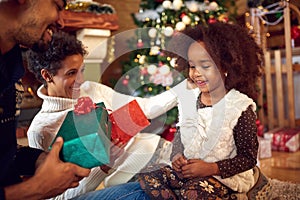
{"points": [[60, 69]]}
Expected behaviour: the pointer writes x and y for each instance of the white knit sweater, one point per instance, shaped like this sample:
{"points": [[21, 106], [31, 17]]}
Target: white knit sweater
{"points": [[140, 149]]}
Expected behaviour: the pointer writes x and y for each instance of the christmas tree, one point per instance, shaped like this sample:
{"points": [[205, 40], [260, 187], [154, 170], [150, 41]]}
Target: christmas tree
{"points": [[149, 70]]}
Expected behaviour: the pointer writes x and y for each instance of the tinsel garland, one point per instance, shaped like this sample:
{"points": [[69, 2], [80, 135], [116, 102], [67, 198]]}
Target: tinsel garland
{"points": [[93, 7]]}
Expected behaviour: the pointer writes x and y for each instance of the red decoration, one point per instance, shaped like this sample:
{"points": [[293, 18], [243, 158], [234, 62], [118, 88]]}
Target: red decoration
{"points": [[295, 32], [182, 15], [212, 20], [169, 133], [260, 128], [84, 105]]}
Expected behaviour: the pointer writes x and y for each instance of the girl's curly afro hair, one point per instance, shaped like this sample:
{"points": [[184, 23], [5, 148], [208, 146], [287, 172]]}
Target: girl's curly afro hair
{"points": [[232, 49]]}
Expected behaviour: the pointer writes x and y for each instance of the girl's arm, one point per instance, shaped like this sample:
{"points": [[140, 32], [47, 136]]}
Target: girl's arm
{"points": [[245, 137]]}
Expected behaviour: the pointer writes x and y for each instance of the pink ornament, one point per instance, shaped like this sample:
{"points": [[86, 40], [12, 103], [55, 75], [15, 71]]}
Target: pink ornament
{"points": [[144, 71], [212, 20], [182, 15], [125, 82], [140, 43]]}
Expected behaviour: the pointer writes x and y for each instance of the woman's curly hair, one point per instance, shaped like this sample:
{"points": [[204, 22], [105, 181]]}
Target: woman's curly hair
{"points": [[232, 49], [61, 46]]}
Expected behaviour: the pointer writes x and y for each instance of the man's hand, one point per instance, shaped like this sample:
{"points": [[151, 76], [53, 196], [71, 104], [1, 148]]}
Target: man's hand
{"points": [[51, 178]]}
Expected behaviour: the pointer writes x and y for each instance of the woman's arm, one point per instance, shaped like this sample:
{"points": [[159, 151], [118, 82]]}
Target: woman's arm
{"points": [[152, 106]]}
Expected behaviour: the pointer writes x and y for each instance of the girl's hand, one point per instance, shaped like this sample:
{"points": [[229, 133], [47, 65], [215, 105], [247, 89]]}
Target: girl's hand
{"points": [[199, 168], [178, 161]]}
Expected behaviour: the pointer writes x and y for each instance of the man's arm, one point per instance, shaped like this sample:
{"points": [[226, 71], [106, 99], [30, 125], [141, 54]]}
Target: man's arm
{"points": [[51, 178]]}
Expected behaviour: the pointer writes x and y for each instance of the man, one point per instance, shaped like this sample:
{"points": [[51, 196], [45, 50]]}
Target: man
{"points": [[30, 23]]}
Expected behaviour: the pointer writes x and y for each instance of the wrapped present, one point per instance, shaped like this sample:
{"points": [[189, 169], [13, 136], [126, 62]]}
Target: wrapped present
{"points": [[284, 139], [86, 132], [127, 121], [265, 147]]}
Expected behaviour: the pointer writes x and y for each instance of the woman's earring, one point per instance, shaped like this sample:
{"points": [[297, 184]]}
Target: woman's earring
{"points": [[225, 74], [49, 78]]}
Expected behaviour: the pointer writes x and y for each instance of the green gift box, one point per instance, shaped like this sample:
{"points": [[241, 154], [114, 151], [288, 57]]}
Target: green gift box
{"points": [[86, 137]]}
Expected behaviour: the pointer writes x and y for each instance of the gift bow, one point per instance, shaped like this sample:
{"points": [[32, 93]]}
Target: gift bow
{"points": [[84, 105]]}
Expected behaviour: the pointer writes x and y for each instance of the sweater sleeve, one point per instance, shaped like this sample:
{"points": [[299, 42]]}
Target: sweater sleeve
{"points": [[177, 146], [2, 194], [245, 137], [25, 160], [152, 106]]}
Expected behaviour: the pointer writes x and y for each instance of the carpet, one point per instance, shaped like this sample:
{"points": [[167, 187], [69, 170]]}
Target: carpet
{"points": [[284, 190]]}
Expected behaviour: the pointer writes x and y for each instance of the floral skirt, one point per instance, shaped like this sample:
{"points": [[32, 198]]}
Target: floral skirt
{"points": [[166, 183]]}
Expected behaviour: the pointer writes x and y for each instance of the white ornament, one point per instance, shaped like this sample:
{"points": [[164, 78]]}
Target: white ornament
{"points": [[164, 70], [152, 32], [180, 26], [152, 69], [186, 19], [168, 31], [213, 6], [173, 62], [192, 6], [154, 50], [167, 4], [177, 4], [142, 59]]}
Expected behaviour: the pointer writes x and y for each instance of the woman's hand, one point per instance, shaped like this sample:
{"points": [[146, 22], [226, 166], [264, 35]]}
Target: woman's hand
{"points": [[116, 150], [199, 168]]}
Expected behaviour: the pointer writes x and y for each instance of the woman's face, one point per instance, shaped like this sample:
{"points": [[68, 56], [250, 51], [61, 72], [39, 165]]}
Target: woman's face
{"points": [[66, 83], [203, 70]]}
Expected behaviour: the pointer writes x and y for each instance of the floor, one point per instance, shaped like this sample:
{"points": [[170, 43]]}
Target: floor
{"points": [[284, 166]]}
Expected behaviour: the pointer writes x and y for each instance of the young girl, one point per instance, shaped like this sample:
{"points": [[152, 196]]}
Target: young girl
{"points": [[215, 148]]}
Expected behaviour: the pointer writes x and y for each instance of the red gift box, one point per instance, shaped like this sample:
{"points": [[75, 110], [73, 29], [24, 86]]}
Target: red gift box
{"points": [[285, 139], [127, 121]]}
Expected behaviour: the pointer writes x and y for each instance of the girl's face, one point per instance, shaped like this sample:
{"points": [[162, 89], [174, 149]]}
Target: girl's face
{"points": [[203, 71], [66, 83]]}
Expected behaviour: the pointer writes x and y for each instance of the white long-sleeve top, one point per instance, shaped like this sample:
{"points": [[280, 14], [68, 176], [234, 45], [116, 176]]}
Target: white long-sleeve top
{"points": [[48, 120]]}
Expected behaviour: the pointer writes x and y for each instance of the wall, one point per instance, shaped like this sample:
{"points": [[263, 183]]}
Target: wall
{"points": [[113, 70]]}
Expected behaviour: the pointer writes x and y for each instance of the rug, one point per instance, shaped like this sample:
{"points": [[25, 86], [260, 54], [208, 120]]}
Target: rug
{"points": [[284, 190]]}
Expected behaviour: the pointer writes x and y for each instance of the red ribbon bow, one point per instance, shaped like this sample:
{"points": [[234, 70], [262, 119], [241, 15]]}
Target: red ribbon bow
{"points": [[84, 105]]}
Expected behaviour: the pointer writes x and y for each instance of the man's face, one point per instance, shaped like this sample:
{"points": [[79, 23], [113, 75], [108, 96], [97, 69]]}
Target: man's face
{"points": [[40, 22]]}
